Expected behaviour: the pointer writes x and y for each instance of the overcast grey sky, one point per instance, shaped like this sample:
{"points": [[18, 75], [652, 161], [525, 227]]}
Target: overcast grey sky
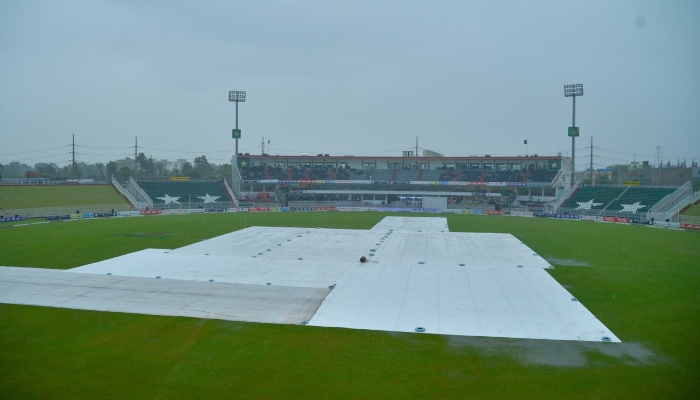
{"points": [[348, 77]]}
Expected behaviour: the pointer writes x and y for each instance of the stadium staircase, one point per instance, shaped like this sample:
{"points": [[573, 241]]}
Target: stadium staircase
{"points": [[483, 177], [231, 196], [140, 205], [420, 175], [565, 196], [331, 173], [555, 179], [138, 193], [459, 175], [267, 173], [527, 175], [670, 206]]}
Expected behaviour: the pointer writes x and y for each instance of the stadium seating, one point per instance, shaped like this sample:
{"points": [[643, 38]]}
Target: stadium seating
{"points": [[186, 191], [401, 175], [447, 175], [504, 176], [542, 175], [593, 197], [383, 175], [432, 175], [646, 197], [409, 174], [341, 174]]}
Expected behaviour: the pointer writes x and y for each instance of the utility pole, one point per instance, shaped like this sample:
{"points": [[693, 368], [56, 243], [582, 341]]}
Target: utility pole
{"points": [[136, 161], [262, 145], [73, 165], [592, 161]]}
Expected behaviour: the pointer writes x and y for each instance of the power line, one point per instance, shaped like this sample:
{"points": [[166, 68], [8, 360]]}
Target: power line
{"points": [[32, 151], [104, 147], [40, 157], [185, 151], [639, 154]]}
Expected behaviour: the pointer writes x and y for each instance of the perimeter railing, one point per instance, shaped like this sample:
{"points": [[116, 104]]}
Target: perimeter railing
{"points": [[41, 212]]}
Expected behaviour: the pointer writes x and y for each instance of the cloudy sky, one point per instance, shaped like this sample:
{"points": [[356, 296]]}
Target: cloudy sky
{"points": [[348, 77]]}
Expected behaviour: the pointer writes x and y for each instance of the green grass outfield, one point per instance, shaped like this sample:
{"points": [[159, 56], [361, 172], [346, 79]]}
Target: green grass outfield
{"points": [[693, 210], [35, 196], [643, 283]]}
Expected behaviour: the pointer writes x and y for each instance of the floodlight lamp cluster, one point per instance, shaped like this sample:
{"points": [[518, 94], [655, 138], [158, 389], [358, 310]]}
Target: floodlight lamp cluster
{"points": [[237, 96], [573, 90]]}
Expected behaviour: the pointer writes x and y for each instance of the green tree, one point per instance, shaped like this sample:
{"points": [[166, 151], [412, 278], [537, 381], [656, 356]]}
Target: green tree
{"points": [[186, 169], [65, 172], [15, 170], [195, 174], [124, 174], [111, 169], [100, 172], [603, 180], [46, 170], [203, 165], [161, 169], [226, 171]]}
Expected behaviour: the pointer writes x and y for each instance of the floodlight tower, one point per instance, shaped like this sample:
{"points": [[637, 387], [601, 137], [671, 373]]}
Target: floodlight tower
{"points": [[573, 91], [236, 96]]}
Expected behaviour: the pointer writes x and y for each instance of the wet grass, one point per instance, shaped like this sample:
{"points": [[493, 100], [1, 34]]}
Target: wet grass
{"points": [[642, 283], [14, 197]]}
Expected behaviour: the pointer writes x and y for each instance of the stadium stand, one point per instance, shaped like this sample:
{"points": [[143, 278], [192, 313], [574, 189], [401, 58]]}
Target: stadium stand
{"points": [[449, 175], [542, 175], [432, 175], [598, 196], [383, 175], [187, 191], [646, 197], [397, 175], [472, 175], [410, 174], [342, 174], [503, 176]]}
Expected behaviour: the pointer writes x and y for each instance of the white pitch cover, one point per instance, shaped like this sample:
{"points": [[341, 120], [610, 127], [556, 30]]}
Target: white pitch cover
{"points": [[418, 274]]}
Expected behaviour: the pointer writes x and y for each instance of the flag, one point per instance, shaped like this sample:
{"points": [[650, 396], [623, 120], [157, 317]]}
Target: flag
{"points": [[243, 162], [525, 142]]}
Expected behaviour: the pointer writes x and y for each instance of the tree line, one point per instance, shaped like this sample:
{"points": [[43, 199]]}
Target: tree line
{"points": [[143, 168]]}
